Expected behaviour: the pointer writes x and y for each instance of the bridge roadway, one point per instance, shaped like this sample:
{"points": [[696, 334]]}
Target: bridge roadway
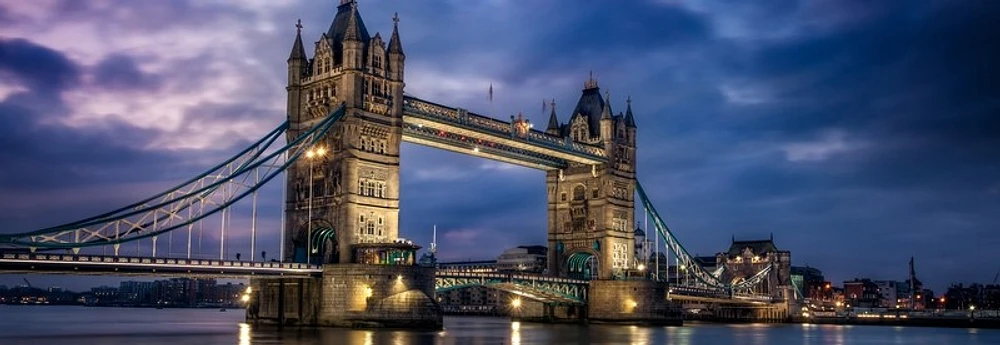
{"points": [[537, 287], [83, 264], [125, 265]]}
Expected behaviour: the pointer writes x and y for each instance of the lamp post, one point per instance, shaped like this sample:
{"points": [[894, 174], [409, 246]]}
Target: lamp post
{"points": [[311, 155]]}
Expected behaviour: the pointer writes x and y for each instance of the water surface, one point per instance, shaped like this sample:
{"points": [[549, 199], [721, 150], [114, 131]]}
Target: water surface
{"points": [[65, 325]]}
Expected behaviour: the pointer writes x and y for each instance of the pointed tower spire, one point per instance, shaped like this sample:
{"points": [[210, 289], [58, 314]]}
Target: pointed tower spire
{"points": [[606, 112], [629, 120], [298, 51], [553, 121], [353, 32], [395, 46]]}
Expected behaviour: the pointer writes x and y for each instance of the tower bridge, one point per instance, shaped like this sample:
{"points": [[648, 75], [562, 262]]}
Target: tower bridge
{"points": [[346, 118]]}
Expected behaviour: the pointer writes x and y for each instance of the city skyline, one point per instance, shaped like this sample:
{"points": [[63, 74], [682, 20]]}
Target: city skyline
{"points": [[858, 134]]}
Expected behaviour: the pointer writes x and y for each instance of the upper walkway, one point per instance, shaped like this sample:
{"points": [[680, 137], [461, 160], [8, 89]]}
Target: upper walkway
{"points": [[516, 142]]}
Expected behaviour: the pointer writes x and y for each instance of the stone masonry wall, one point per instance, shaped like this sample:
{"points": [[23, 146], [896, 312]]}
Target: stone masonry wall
{"points": [[629, 301], [355, 295]]}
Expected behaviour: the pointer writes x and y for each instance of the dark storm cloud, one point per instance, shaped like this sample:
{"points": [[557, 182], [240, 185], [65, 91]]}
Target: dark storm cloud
{"points": [[39, 68], [120, 72], [913, 89]]}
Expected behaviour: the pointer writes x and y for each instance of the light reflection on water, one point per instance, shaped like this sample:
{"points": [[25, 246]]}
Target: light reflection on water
{"points": [[51, 325]]}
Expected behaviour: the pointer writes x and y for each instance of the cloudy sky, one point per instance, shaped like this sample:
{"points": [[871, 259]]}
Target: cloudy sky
{"points": [[858, 132]]}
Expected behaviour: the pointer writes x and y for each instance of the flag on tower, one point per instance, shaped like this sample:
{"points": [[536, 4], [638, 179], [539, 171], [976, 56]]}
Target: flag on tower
{"points": [[543, 107], [491, 92]]}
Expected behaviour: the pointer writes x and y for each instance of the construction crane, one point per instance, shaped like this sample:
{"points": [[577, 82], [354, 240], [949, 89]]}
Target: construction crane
{"points": [[27, 282]]}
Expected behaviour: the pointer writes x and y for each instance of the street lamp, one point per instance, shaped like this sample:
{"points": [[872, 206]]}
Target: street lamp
{"points": [[311, 154]]}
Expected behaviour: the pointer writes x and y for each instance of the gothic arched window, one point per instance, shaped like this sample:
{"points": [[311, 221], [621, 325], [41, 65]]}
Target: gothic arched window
{"points": [[579, 192]]}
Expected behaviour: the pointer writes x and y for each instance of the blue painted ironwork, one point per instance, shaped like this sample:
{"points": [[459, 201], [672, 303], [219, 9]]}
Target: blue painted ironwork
{"points": [[186, 203], [542, 288], [460, 118], [485, 146]]}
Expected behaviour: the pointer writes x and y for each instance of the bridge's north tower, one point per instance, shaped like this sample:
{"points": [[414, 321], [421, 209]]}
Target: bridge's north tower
{"points": [[354, 175], [591, 207]]}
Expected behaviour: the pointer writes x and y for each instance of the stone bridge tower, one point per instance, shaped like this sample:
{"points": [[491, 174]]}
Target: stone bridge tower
{"points": [[591, 207], [355, 182]]}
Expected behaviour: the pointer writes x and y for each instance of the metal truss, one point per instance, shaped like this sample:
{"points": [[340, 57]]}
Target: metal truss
{"points": [[718, 272], [747, 285], [703, 278], [514, 155], [483, 124], [211, 192], [684, 259], [542, 288]]}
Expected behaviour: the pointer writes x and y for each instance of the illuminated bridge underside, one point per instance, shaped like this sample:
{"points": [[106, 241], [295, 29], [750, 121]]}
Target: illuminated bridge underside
{"points": [[544, 289], [457, 130], [122, 265]]}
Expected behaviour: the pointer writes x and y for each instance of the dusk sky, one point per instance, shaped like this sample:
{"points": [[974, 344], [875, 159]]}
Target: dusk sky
{"points": [[858, 132]]}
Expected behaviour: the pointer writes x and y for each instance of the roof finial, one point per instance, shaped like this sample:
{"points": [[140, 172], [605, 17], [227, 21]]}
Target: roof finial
{"points": [[591, 83], [298, 25], [395, 19], [628, 100]]}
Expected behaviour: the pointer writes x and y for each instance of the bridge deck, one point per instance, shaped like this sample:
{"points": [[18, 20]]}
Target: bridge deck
{"points": [[123, 265]]}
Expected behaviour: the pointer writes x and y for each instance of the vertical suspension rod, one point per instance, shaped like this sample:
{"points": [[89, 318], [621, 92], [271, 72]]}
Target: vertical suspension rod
{"points": [[253, 217]]}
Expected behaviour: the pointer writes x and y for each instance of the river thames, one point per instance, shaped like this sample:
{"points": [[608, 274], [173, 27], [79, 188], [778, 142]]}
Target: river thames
{"points": [[64, 325]]}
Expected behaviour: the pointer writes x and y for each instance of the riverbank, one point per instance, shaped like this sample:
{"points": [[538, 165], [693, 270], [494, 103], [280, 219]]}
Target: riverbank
{"points": [[992, 323]]}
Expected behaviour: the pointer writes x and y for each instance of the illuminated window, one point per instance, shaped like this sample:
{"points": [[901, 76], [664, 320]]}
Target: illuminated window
{"points": [[579, 192]]}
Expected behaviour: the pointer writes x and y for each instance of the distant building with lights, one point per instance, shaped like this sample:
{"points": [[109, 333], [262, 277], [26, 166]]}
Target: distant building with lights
{"points": [[523, 259]]}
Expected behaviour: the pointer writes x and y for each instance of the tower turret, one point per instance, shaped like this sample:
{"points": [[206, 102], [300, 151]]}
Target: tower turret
{"points": [[553, 121], [630, 121], [396, 56], [354, 40], [297, 65], [607, 123]]}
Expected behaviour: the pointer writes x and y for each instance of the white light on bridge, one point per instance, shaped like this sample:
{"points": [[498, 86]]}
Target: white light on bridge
{"points": [[475, 149]]}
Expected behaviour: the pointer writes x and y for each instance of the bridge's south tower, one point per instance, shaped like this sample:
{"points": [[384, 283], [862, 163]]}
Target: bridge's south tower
{"points": [[354, 173], [591, 207]]}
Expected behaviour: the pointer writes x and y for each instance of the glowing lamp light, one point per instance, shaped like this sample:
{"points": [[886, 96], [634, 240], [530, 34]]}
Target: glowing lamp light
{"points": [[249, 290], [245, 298], [642, 267], [972, 307], [516, 303]]}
